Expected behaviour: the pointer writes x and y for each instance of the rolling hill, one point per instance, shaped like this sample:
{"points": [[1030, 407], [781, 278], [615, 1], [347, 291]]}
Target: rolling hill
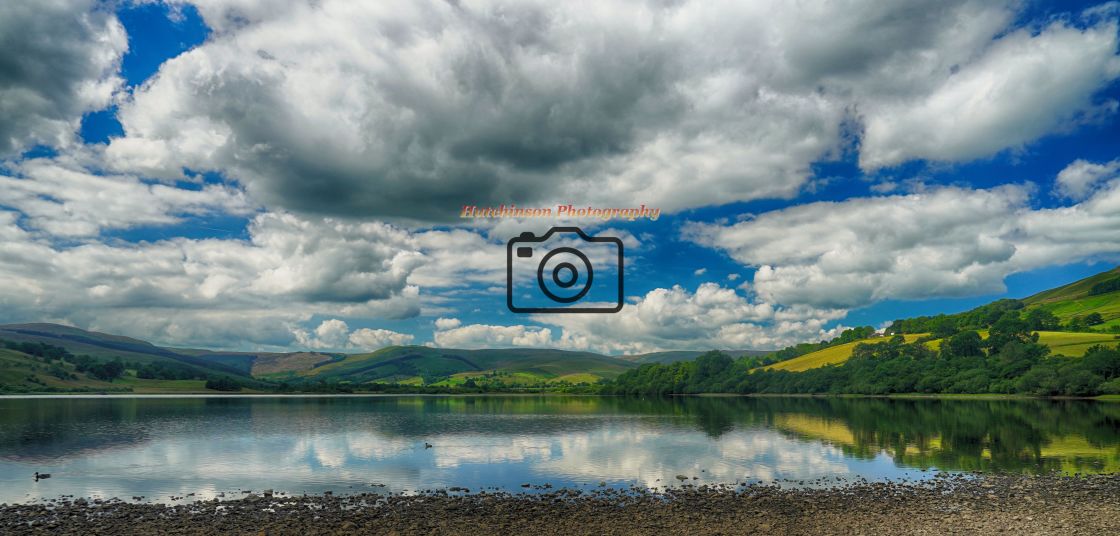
{"points": [[107, 346], [1082, 298], [407, 363], [404, 364], [1060, 343], [27, 373]]}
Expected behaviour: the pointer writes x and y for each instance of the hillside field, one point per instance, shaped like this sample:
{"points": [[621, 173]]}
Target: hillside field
{"points": [[1060, 343], [1075, 299], [833, 355]]}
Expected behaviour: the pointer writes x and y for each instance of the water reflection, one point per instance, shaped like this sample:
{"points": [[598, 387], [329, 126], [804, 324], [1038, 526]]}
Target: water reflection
{"points": [[159, 447]]}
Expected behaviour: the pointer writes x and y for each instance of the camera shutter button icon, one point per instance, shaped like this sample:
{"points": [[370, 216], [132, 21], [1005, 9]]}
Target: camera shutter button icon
{"points": [[563, 279]]}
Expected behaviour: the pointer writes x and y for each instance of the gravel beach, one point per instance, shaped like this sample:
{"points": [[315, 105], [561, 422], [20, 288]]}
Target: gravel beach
{"points": [[984, 504]]}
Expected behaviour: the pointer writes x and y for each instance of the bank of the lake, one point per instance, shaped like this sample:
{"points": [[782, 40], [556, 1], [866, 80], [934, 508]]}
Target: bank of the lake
{"points": [[254, 393], [989, 504]]}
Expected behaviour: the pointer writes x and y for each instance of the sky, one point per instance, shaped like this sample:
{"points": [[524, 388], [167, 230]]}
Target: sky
{"points": [[291, 174]]}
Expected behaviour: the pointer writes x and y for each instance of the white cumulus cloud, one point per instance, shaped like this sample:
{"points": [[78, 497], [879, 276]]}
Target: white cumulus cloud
{"points": [[60, 59], [412, 109], [335, 334], [488, 336], [1079, 179], [1025, 85]]}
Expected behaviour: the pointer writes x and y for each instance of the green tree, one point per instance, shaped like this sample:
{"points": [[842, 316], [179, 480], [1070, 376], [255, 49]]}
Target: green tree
{"points": [[963, 344], [712, 364], [944, 326], [107, 371], [1041, 319], [1093, 319], [223, 384], [1104, 287], [1102, 360], [1007, 329], [1016, 358]]}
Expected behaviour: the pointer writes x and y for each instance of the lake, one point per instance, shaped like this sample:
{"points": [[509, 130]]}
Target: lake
{"points": [[160, 447]]}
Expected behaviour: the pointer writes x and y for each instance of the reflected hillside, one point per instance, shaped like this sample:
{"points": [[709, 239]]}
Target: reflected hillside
{"points": [[966, 435], [59, 428]]}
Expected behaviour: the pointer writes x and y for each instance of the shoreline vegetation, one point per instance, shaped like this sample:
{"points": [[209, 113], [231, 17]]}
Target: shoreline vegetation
{"points": [[893, 396], [962, 503]]}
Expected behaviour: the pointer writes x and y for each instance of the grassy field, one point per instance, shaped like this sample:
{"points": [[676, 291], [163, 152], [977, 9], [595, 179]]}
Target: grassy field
{"points": [[21, 372], [1077, 289], [1073, 300], [1074, 344]]}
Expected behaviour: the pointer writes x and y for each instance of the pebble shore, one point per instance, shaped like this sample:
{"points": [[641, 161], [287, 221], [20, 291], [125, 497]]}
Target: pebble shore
{"points": [[978, 504]]}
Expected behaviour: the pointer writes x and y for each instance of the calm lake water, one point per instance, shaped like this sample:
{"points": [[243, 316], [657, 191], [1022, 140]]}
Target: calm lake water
{"points": [[160, 447]]}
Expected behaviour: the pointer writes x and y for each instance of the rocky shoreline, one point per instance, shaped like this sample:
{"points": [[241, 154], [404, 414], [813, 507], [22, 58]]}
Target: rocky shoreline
{"points": [[978, 504]]}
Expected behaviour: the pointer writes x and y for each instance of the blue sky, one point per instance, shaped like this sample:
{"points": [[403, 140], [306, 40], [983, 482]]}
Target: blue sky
{"points": [[237, 175]]}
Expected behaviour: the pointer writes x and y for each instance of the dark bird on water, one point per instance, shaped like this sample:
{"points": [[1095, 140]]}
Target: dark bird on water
{"points": [[427, 445], [40, 476]]}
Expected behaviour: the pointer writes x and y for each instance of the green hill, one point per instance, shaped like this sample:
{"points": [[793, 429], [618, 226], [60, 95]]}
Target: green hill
{"points": [[1096, 294], [262, 363], [107, 346], [1065, 343], [20, 372]]}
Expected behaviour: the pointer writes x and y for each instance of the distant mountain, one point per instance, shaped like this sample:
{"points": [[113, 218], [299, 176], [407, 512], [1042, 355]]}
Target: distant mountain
{"points": [[403, 363], [665, 358], [104, 345], [263, 363]]}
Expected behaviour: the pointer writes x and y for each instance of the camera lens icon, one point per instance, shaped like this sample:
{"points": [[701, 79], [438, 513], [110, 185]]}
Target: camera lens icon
{"points": [[565, 274], [564, 271]]}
